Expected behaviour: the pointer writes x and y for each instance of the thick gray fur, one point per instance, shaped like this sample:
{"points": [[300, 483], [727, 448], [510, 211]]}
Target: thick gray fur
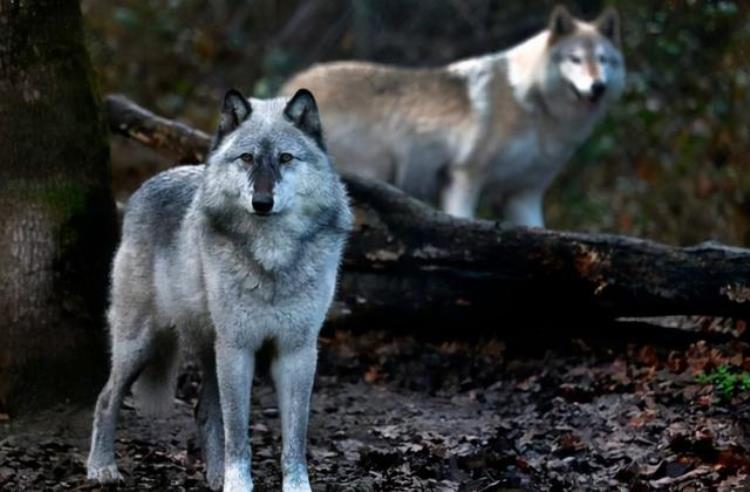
{"points": [[199, 270]]}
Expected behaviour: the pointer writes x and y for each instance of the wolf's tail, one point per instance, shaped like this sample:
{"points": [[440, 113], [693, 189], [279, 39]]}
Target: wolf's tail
{"points": [[154, 390]]}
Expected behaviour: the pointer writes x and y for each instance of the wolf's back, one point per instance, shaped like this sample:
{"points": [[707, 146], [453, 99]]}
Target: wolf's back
{"points": [[154, 212]]}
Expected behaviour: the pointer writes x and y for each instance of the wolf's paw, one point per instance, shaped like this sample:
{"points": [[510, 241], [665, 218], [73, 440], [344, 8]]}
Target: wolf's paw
{"points": [[237, 478], [297, 488], [296, 484], [104, 474], [215, 479]]}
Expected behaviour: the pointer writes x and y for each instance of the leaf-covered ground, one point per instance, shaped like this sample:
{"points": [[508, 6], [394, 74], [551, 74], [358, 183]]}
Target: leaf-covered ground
{"points": [[400, 413]]}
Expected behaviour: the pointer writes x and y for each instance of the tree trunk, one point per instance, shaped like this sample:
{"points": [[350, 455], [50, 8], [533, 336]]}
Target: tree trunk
{"points": [[57, 220], [406, 259]]}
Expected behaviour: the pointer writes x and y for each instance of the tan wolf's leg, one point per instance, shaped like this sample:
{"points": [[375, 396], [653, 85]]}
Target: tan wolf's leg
{"points": [[461, 194]]}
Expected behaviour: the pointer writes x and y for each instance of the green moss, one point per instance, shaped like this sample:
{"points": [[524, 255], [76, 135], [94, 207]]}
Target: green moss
{"points": [[64, 203], [62, 200], [67, 199]]}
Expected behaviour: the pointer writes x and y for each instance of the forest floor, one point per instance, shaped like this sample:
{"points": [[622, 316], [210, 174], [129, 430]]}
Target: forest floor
{"points": [[401, 413]]}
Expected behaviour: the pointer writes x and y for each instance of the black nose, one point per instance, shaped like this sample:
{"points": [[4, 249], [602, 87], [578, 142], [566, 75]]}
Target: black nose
{"points": [[262, 202], [598, 89]]}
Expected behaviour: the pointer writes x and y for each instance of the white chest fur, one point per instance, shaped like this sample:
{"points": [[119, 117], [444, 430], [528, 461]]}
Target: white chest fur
{"points": [[530, 157]]}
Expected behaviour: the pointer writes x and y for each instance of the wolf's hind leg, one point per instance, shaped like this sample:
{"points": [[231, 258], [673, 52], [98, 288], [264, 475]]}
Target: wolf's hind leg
{"points": [[210, 423], [129, 357], [525, 209], [293, 374]]}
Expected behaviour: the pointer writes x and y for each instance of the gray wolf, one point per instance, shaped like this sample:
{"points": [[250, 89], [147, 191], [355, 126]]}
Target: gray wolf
{"points": [[221, 260], [504, 123]]}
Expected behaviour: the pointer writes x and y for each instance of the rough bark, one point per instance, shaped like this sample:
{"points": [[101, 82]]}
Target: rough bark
{"points": [[405, 258], [57, 222]]}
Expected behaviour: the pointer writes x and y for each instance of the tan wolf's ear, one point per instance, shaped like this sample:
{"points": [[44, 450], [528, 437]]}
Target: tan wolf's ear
{"points": [[561, 23], [608, 23]]}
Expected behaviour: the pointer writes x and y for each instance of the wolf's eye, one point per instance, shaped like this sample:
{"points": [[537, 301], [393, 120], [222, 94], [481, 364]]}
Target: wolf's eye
{"points": [[603, 60], [575, 59], [285, 157], [247, 158]]}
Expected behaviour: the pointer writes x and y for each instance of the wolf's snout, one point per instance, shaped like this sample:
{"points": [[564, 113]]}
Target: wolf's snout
{"points": [[598, 89], [262, 202]]}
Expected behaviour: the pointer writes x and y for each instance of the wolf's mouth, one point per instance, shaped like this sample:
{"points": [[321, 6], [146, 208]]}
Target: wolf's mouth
{"points": [[575, 91], [591, 101]]}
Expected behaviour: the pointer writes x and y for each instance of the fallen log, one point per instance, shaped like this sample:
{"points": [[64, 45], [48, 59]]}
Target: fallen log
{"points": [[405, 258]]}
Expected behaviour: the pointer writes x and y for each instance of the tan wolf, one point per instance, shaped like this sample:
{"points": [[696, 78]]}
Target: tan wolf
{"points": [[503, 123]]}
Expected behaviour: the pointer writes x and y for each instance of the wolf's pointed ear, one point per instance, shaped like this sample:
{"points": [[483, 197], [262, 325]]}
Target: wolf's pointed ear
{"points": [[608, 23], [302, 111], [235, 109], [561, 23]]}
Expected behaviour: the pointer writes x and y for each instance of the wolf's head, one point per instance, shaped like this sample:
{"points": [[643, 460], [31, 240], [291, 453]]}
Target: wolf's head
{"points": [[585, 67], [268, 158]]}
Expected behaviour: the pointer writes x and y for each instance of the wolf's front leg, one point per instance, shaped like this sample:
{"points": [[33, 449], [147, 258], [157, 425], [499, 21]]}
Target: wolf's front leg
{"points": [[234, 370], [525, 209], [293, 373], [460, 195]]}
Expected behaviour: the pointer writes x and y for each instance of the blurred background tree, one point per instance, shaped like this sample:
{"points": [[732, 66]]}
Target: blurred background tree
{"points": [[668, 163], [57, 224]]}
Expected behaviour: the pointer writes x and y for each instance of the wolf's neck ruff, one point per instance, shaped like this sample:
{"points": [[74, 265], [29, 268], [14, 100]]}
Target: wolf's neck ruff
{"points": [[275, 242]]}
